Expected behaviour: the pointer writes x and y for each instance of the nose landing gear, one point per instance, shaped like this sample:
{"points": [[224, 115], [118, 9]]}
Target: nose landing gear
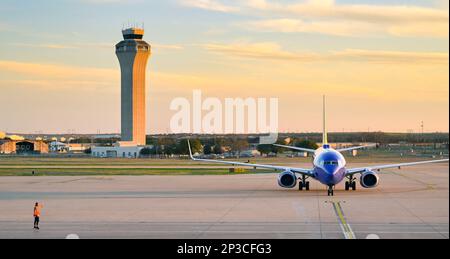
{"points": [[331, 190]]}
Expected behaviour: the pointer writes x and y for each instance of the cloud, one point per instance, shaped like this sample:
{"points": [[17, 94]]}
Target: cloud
{"points": [[45, 46], [349, 28], [155, 46], [265, 50], [211, 5], [55, 72], [64, 46], [111, 1], [273, 51], [61, 77], [59, 85], [4, 26], [87, 99], [355, 12], [167, 46], [322, 27], [331, 18], [379, 56], [436, 30]]}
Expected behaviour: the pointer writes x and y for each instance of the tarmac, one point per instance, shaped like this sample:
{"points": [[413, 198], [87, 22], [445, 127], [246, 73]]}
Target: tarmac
{"points": [[409, 203]]}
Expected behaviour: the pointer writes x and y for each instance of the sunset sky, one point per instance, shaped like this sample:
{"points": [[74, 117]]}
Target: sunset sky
{"points": [[383, 64]]}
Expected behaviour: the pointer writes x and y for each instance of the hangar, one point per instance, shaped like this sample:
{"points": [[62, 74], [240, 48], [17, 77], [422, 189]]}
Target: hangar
{"points": [[8, 146]]}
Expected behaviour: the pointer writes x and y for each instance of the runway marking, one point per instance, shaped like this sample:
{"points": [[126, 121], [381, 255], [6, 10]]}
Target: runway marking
{"points": [[346, 229]]}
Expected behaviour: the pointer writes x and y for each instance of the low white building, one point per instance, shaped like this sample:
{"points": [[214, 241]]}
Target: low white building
{"points": [[122, 150], [79, 148], [59, 147]]}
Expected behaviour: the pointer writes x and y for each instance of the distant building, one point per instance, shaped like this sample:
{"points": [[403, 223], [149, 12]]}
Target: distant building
{"points": [[23, 147], [107, 136], [116, 151], [15, 137], [7, 147], [58, 147], [250, 153], [78, 148]]}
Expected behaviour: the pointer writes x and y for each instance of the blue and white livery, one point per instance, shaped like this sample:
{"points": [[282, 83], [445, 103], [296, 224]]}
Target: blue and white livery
{"points": [[329, 167]]}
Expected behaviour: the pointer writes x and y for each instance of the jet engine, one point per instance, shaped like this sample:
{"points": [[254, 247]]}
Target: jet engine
{"points": [[369, 180], [287, 179]]}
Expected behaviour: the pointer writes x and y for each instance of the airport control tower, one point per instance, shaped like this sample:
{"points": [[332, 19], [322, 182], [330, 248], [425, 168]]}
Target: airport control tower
{"points": [[133, 54]]}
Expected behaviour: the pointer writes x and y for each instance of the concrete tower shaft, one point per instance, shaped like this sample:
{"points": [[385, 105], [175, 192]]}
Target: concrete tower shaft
{"points": [[133, 54]]}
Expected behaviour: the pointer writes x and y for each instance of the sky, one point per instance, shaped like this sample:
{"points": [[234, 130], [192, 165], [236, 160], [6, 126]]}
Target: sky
{"points": [[382, 64]]}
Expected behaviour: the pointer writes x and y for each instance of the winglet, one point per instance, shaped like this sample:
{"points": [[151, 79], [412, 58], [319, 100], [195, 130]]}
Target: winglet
{"points": [[190, 150]]}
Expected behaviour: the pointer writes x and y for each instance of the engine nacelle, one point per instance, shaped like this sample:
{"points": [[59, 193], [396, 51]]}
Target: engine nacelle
{"points": [[287, 179], [369, 179]]}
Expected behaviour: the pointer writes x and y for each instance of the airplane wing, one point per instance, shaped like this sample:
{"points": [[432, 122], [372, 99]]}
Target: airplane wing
{"points": [[355, 148], [302, 171], [296, 148], [354, 171]]}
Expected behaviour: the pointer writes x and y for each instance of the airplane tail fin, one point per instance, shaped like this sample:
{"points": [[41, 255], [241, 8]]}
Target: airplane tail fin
{"points": [[325, 133]]}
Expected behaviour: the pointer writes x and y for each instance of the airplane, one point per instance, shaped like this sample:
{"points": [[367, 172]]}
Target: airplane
{"points": [[329, 167]]}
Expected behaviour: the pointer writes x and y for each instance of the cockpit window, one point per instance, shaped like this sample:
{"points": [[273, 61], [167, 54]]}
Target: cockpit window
{"points": [[331, 163]]}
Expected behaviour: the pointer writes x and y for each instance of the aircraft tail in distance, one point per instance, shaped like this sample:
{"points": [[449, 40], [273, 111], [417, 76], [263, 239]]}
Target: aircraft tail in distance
{"points": [[325, 132]]}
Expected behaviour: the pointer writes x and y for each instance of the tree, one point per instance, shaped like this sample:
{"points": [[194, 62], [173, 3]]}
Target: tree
{"points": [[309, 144], [182, 147], [150, 141], [218, 150], [82, 140], [239, 145], [276, 149], [265, 149], [146, 152], [207, 149]]}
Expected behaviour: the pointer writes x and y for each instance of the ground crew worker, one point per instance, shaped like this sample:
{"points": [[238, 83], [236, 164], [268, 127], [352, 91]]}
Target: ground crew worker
{"points": [[37, 215]]}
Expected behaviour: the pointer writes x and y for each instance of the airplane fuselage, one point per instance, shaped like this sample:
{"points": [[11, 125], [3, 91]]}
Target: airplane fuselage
{"points": [[329, 166]]}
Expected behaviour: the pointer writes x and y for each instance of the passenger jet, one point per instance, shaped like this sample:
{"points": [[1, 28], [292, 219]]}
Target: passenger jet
{"points": [[329, 167]]}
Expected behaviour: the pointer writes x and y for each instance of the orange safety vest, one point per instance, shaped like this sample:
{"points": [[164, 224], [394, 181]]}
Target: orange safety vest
{"points": [[37, 212]]}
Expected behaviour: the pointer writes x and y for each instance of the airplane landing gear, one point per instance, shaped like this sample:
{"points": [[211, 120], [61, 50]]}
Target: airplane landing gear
{"points": [[303, 184], [350, 184], [330, 190]]}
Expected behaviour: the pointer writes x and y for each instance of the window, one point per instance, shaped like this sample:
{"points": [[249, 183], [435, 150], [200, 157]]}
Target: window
{"points": [[331, 163]]}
